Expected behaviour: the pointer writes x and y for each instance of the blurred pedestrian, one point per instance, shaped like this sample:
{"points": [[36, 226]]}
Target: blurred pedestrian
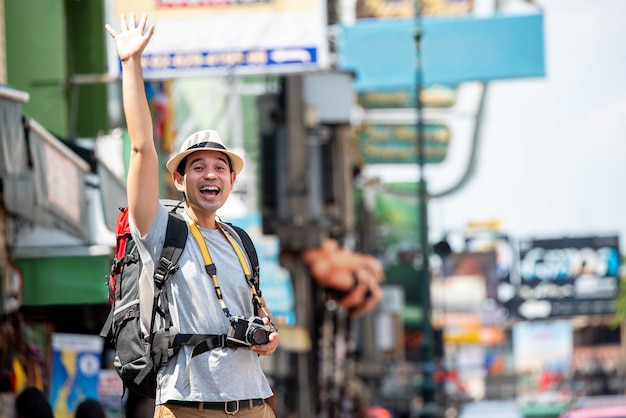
{"points": [[32, 403], [90, 408]]}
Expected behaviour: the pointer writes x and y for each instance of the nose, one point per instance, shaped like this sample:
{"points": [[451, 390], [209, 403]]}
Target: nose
{"points": [[210, 174]]}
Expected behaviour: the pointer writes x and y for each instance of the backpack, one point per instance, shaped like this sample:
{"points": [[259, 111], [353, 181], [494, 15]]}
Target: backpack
{"points": [[140, 348]]}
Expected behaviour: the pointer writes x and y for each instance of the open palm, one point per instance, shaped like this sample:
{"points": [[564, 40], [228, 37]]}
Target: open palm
{"points": [[132, 38]]}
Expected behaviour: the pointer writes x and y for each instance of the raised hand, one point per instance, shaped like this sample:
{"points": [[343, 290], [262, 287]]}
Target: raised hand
{"points": [[132, 38]]}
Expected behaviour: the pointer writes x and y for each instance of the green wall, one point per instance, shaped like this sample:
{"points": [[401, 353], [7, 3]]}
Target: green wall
{"points": [[48, 41], [87, 55]]}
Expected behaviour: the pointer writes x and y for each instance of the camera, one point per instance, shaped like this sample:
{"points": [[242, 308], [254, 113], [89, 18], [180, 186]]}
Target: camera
{"points": [[248, 332]]}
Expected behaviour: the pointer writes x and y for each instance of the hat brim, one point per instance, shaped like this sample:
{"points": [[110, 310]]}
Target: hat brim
{"points": [[235, 160]]}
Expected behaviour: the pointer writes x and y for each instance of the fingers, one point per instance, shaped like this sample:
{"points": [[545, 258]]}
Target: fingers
{"points": [[149, 33], [111, 31], [267, 349], [131, 24], [142, 22]]}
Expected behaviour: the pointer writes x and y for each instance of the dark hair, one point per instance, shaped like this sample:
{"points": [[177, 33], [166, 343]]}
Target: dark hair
{"points": [[32, 403], [181, 165], [90, 408]]}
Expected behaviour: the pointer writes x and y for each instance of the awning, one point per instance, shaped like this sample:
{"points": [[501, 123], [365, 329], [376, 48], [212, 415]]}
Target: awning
{"points": [[52, 192], [64, 280]]}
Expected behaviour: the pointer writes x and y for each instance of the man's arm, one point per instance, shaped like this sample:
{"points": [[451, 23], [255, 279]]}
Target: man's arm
{"points": [[143, 172]]}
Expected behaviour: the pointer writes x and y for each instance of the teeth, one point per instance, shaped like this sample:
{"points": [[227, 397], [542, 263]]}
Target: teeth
{"points": [[210, 189]]}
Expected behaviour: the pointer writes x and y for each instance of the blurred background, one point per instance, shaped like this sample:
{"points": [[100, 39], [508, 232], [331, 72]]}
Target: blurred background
{"points": [[429, 185]]}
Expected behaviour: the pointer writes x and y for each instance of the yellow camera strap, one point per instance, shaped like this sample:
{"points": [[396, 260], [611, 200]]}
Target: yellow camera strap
{"points": [[211, 270]]}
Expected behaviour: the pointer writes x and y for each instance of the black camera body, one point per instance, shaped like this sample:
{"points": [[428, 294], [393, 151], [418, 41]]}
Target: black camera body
{"points": [[248, 331]]}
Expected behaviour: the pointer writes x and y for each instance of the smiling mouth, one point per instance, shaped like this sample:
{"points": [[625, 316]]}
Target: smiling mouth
{"points": [[210, 190]]}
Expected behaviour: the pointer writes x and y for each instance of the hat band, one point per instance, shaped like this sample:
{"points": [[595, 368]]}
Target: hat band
{"points": [[207, 145]]}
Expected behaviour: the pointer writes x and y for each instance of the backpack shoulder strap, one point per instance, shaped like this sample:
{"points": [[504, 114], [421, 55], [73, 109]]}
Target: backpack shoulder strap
{"points": [[248, 245], [173, 247], [245, 241]]}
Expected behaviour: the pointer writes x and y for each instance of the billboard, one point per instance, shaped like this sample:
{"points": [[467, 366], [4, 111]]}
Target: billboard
{"points": [[202, 37], [565, 277]]}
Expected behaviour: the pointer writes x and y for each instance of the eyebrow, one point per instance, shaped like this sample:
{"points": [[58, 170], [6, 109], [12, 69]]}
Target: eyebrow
{"points": [[223, 159]]}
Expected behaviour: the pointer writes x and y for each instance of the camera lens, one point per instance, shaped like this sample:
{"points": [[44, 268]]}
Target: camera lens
{"points": [[258, 336]]}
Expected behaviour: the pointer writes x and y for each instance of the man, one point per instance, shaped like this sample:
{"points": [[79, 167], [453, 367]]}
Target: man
{"points": [[223, 380]]}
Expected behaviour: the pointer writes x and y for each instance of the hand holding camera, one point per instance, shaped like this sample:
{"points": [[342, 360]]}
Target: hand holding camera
{"points": [[248, 331]]}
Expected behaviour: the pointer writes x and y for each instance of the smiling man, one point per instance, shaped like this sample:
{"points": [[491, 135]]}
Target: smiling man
{"points": [[206, 296]]}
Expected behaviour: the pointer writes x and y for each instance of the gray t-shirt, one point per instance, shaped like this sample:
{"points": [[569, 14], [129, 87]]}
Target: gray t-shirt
{"points": [[222, 374]]}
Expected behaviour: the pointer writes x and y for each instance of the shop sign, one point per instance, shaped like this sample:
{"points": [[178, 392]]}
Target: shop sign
{"points": [[398, 143], [406, 8], [434, 96], [225, 37]]}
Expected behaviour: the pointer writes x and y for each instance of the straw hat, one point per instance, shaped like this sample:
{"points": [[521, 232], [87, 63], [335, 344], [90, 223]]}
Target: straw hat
{"points": [[201, 141]]}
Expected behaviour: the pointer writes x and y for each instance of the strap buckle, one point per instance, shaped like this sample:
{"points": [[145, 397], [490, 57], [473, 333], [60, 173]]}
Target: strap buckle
{"points": [[228, 411], [164, 269]]}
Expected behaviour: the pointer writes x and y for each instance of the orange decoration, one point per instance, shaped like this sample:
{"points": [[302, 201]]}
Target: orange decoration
{"points": [[353, 278]]}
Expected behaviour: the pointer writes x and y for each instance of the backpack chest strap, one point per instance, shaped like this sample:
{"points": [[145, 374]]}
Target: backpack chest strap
{"points": [[201, 344]]}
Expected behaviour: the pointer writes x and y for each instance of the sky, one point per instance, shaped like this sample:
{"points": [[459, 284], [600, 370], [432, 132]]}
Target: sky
{"points": [[552, 154]]}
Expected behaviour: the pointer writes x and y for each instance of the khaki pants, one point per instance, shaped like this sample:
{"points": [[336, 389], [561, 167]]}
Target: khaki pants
{"points": [[176, 411]]}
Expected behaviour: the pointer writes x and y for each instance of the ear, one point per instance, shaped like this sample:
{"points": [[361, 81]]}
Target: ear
{"points": [[233, 176], [179, 182]]}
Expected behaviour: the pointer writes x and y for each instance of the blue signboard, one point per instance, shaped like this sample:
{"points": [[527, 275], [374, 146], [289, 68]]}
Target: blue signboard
{"points": [[383, 53]]}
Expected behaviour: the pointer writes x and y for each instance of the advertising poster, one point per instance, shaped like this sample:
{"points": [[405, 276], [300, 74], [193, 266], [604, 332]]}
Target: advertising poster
{"points": [[76, 361], [542, 353]]}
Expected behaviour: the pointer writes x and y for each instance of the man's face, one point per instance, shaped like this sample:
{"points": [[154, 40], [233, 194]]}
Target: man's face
{"points": [[207, 181]]}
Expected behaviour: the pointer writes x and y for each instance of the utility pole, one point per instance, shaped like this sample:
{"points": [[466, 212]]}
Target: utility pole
{"points": [[426, 352]]}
